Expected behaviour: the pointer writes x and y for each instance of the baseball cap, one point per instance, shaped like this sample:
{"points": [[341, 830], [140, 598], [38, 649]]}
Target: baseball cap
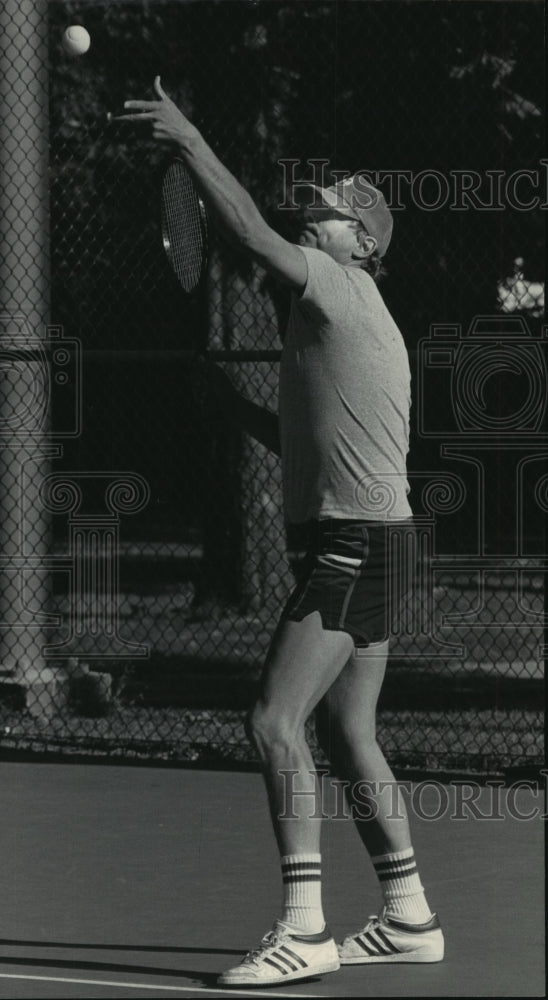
{"points": [[356, 197]]}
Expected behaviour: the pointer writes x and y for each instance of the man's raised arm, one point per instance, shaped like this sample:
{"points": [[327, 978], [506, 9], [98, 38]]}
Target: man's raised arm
{"points": [[233, 208]]}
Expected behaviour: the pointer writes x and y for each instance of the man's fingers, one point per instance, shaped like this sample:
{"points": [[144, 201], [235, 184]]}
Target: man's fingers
{"points": [[143, 105], [159, 89], [142, 116]]}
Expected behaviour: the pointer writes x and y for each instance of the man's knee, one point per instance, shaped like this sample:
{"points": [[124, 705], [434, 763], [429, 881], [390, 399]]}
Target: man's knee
{"points": [[271, 730]]}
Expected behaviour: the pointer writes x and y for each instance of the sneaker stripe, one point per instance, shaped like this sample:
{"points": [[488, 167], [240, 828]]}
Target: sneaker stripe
{"points": [[368, 951], [389, 944], [277, 954], [380, 946], [275, 965], [294, 955]]}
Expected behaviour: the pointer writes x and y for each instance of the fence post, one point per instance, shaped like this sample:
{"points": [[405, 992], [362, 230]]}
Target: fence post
{"points": [[24, 371]]}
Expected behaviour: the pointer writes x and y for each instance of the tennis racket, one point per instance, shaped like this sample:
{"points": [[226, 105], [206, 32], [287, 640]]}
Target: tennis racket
{"points": [[184, 227]]}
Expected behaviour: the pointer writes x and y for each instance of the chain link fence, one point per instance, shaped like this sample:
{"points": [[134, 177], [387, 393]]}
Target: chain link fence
{"points": [[144, 555]]}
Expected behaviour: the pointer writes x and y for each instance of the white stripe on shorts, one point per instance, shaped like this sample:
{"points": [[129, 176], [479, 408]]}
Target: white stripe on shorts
{"points": [[340, 561]]}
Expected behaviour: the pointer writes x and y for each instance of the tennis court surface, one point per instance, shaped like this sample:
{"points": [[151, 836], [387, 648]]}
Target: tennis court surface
{"points": [[142, 881]]}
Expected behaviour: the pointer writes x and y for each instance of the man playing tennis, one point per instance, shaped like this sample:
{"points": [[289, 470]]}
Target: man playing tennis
{"points": [[343, 436]]}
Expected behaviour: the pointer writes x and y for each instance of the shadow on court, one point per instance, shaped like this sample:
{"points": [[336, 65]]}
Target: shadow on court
{"points": [[181, 866], [77, 965], [118, 947]]}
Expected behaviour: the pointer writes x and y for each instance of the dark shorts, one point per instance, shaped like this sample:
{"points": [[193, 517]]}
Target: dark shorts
{"points": [[356, 574]]}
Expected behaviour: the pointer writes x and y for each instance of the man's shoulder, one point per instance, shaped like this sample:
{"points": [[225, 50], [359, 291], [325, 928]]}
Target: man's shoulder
{"points": [[365, 292], [321, 260], [326, 273], [327, 282], [317, 258], [361, 276]]}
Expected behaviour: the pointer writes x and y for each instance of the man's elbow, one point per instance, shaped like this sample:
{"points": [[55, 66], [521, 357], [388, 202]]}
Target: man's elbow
{"points": [[250, 227], [254, 238]]}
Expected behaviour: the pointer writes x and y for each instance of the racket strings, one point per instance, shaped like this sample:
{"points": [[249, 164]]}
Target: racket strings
{"points": [[183, 226]]}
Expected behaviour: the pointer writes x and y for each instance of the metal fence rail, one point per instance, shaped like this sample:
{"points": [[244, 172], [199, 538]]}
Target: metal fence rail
{"points": [[144, 557]]}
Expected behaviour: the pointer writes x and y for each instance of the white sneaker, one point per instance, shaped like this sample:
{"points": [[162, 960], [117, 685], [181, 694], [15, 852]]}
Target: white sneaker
{"points": [[390, 939], [282, 956]]}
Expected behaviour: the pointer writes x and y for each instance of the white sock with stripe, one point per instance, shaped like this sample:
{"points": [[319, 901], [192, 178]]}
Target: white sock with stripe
{"points": [[302, 900], [401, 886]]}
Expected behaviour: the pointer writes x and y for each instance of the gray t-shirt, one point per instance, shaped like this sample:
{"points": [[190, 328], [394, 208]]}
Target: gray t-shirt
{"points": [[344, 400]]}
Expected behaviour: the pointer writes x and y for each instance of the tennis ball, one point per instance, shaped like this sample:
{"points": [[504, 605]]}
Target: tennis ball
{"points": [[76, 40]]}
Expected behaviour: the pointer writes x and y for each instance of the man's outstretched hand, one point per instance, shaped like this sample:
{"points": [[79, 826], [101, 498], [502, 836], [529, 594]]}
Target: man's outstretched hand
{"points": [[169, 124]]}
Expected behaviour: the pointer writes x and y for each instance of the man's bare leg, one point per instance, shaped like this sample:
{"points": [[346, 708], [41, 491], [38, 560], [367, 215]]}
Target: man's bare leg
{"points": [[346, 725], [346, 722], [303, 662]]}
